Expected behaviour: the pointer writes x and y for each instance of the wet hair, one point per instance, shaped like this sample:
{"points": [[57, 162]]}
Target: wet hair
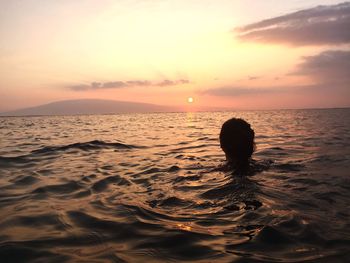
{"points": [[237, 141]]}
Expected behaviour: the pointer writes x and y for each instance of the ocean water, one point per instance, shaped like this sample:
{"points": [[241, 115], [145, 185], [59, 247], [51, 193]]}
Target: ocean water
{"points": [[149, 188]]}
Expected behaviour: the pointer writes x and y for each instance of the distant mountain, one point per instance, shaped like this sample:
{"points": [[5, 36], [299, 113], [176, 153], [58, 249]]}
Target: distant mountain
{"points": [[89, 106]]}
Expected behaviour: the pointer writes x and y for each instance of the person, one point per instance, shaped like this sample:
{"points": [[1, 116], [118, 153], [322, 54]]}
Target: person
{"points": [[237, 142]]}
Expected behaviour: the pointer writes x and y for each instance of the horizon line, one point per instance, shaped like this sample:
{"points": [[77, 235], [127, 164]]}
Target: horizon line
{"points": [[172, 112]]}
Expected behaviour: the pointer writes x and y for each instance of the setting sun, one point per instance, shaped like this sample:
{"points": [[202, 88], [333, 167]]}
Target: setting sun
{"points": [[190, 100]]}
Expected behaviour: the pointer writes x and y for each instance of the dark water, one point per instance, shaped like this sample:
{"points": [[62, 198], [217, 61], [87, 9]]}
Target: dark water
{"points": [[146, 188]]}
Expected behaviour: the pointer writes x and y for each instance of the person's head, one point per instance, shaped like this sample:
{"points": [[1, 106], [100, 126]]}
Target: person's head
{"points": [[237, 140]]}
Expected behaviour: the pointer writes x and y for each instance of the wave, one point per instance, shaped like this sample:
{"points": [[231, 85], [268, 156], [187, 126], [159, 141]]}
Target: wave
{"points": [[83, 146], [12, 159], [87, 146]]}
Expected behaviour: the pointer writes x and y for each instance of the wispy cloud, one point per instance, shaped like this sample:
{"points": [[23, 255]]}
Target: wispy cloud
{"points": [[254, 77], [235, 91], [126, 84], [322, 25], [167, 82]]}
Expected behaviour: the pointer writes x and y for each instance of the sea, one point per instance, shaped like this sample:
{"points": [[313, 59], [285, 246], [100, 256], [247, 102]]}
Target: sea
{"points": [[152, 188]]}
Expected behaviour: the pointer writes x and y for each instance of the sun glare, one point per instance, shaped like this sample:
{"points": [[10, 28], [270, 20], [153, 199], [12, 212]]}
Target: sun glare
{"points": [[190, 100]]}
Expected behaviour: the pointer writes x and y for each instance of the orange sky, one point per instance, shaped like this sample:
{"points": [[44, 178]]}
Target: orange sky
{"points": [[163, 52]]}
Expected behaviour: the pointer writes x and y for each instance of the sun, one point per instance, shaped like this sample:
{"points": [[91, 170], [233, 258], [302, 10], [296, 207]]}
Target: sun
{"points": [[190, 100]]}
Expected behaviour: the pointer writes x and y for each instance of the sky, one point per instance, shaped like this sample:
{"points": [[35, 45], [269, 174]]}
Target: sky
{"points": [[248, 54]]}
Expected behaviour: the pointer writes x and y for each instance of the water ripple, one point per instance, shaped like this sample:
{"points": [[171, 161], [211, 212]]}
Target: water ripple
{"points": [[155, 188]]}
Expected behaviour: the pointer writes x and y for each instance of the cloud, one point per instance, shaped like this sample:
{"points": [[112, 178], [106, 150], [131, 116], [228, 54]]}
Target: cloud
{"points": [[321, 25], [329, 71], [331, 67], [112, 85], [167, 82], [254, 77], [139, 83], [126, 84]]}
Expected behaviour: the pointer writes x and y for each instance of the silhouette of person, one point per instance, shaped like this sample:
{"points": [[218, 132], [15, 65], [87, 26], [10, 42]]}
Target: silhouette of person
{"points": [[237, 142]]}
